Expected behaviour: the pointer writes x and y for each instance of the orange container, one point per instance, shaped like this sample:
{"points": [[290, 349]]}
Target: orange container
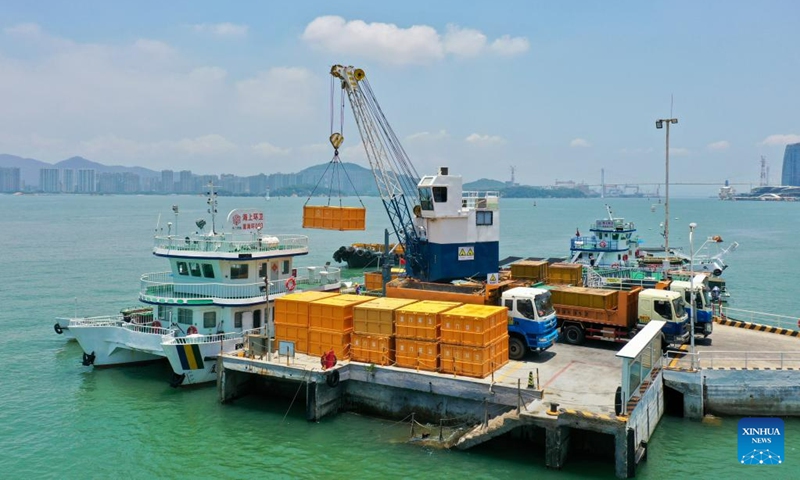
{"points": [[377, 349], [292, 309], [334, 218], [374, 280], [417, 354], [321, 341], [334, 313], [293, 333], [421, 320], [475, 325], [474, 361], [377, 316]]}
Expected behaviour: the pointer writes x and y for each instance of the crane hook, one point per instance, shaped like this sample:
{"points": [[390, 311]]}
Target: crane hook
{"points": [[336, 140]]}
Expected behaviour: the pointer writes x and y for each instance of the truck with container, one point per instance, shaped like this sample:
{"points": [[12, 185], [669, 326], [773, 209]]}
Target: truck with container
{"points": [[704, 321], [531, 320], [617, 315]]}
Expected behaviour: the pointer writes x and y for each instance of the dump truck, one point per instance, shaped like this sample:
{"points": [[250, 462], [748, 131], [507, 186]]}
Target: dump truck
{"points": [[704, 321], [617, 315]]}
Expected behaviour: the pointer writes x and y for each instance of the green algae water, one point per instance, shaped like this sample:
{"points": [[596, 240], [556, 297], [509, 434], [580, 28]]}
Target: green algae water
{"points": [[66, 255]]}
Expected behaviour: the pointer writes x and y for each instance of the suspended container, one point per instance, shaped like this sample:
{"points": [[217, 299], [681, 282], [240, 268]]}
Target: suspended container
{"points": [[332, 217]]}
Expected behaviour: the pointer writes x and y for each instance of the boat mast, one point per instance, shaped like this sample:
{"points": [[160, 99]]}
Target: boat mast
{"points": [[212, 206]]}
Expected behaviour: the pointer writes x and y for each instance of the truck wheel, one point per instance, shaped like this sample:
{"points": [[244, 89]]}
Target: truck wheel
{"points": [[574, 335], [516, 349]]}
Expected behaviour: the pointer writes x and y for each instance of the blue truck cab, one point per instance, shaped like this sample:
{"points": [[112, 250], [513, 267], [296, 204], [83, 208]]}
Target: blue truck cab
{"points": [[531, 321]]}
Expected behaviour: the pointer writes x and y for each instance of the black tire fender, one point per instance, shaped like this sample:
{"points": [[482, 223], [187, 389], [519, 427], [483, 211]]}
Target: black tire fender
{"points": [[58, 328], [332, 378]]}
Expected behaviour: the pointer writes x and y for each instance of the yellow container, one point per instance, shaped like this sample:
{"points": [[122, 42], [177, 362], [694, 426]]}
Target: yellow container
{"points": [[474, 325], [374, 280], [418, 354], [421, 320], [471, 361], [334, 313], [334, 218], [377, 316], [534, 270], [293, 333], [377, 349], [565, 274], [321, 341], [292, 309]]}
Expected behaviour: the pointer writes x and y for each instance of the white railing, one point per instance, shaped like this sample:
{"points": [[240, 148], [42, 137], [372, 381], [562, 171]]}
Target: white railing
{"points": [[475, 199], [213, 338], [148, 329], [162, 284], [762, 318], [733, 359], [222, 244], [101, 321]]}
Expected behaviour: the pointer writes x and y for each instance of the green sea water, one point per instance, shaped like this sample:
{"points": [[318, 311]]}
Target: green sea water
{"points": [[64, 255]]}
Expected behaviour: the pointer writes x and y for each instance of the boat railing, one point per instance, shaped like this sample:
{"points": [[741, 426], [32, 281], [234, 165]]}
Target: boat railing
{"points": [[223, 244], [487, 200], [99, 321], [162, 284], [213, 338], [148, 329], [761, 318], [593, 243]]}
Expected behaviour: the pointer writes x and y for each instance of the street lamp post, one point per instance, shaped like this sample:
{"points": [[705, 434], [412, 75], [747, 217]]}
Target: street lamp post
{"points": [[660, 124], [692, 226]]}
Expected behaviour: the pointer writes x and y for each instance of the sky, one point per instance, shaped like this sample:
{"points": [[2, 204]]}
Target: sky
{"points": [[557, 90]]}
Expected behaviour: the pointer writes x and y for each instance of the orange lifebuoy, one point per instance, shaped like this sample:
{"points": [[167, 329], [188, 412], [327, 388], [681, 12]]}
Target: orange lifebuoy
{"points": [[290, 283], [191, 330], [638, 253], [625, 258], [603, 244], [274, 267], [156, 324], [615, 265]]}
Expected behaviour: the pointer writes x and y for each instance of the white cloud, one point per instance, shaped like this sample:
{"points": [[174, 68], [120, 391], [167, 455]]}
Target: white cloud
{"points": [[279, 90], [579, 142], [720, 145], [213, 144], [508, 46], [414, 45], [422, 136], [112, 145], [484, 140], [269, 150], [780, 140], [679, 152], [225, 29], [24, 30]]}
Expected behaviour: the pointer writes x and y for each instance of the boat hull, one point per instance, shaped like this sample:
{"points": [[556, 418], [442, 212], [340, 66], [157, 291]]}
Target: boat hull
{"points": [[110, 345], [194, 360]]}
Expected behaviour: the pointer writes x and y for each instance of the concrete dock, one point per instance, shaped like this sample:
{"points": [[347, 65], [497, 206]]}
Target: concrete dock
{"points": [[563, 399]]}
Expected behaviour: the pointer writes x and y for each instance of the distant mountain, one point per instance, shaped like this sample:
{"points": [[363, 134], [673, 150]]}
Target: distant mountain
{"points": [[29, 167], [485, 184]]}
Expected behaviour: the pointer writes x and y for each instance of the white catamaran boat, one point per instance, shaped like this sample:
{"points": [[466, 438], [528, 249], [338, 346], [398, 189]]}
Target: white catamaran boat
{"points": [[216, 290]]}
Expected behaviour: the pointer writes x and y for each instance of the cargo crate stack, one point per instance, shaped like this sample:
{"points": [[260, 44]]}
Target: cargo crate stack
{"points": [[565, 274], [474, 340], [291, 317], [418, 334], [373, 330], [330, 324]]}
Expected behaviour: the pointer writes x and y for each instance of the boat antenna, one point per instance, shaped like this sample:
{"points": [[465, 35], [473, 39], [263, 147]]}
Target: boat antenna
{"points": [[212, 206], [610, 215], [158, 223], [175, 210]]}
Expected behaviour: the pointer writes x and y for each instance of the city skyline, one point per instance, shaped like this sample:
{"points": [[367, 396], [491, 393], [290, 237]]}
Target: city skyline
{"points": [[558, 91]]}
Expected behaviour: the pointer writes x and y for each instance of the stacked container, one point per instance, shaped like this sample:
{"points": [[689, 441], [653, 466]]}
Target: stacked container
{"points": [[418, 334], [373, 330], [474, 340], [330, 324], [291, 317], [565, 274]]}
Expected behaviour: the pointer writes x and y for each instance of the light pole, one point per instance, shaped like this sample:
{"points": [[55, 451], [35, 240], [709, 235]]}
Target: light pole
{"points": [[660, 124], [692, 226]]}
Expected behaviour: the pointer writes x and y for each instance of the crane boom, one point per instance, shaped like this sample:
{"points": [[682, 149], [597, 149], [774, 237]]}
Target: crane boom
{"points": [[394, 174]]}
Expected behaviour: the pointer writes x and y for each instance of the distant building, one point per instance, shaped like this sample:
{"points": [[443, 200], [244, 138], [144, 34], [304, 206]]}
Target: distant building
{"points": [[87, 181], [10, 180], [48, 180], [186, 182], [68, 180], [167, 181], [791, 166]]}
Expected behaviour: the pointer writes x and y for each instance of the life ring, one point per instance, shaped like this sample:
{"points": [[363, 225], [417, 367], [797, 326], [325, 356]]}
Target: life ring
{"points": [[58, 328], [332, 378], [192, 330], [638, 253], [156, 324], [615, 265], [625, 258], [274, 267], [290, 283], [603, 244]]}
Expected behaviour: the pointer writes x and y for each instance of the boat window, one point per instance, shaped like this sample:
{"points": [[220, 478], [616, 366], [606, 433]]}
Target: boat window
{"points": [[195, 269], [209, 319], [662, 308], [439, 194], [208, 270], [239, 271], [163, 312], [484, 218], [425, 198], [257, 318], [262, 270], [237, 320], [525, 308], [544, 306], [183, 269], [185, 316], [285, 269]]}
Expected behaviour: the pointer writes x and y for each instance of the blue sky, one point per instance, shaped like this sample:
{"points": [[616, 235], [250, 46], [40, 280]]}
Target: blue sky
{"points": [[557, 89]]}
